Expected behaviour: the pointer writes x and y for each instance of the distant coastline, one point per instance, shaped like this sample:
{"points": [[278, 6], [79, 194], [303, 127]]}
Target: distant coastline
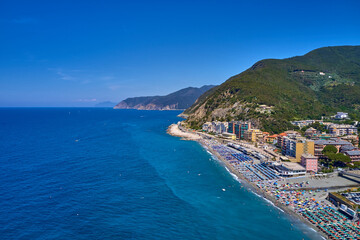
{"points": [[151, 109], [179, 100]]}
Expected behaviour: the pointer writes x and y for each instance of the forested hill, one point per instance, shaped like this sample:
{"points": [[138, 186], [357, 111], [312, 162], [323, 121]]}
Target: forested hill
{"points": [[181, 99], [317, 84]]}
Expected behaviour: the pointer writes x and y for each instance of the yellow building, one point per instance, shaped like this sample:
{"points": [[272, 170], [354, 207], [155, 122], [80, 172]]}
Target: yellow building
{"points": [[254, 135], [306, 146], [271, 139]]}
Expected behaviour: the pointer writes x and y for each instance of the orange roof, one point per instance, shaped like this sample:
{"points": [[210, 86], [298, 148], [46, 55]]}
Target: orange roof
{"points": [[273, 136], [283, 134], [266, 133]]}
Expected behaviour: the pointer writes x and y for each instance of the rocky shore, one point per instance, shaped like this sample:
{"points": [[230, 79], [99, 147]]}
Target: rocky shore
{"points": [[174, 130]]}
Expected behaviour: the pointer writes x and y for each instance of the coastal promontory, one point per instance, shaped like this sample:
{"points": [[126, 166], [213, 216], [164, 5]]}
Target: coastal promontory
{"points": [[178, 100]]}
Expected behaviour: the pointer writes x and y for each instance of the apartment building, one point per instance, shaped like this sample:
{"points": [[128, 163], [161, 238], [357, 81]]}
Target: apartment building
{"points": [[309, 162], [254, 135], [342, 129], [321, 144], [297, 146], [239, 128]]}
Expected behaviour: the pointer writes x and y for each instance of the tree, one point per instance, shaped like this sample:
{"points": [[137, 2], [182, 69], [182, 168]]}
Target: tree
{"points": [[342, 158], [332, 158], [329, 149], [356, 165], [338, 159]]}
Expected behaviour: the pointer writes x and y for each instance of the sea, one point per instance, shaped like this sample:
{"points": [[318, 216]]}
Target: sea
{"points": [[100, 173]]}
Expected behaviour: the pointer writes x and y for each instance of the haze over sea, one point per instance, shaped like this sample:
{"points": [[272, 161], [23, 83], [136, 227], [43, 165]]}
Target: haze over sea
{"points": [[89, 173]]}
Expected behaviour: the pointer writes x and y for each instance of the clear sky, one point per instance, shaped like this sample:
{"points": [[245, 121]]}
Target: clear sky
{"points": [[79, 53]]}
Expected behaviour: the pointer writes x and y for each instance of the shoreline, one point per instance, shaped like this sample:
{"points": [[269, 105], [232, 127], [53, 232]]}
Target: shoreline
{"points": [[259, 192], [174, 130]]}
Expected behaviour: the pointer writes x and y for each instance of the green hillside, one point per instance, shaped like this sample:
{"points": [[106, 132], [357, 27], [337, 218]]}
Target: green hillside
{"points": [[317, 84]]}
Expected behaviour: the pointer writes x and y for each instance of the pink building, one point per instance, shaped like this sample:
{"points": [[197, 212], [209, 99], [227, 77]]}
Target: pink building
{"points": [[310, 162]]}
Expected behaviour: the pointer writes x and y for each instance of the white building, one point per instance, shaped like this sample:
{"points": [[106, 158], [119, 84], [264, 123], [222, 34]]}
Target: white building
{"points": [[215, 127], [290, 169], [342, 129], [206, 127], [341, 115], [303, 123]]}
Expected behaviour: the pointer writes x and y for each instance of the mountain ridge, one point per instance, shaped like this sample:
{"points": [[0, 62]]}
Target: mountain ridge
{"points": [[178, 100]]}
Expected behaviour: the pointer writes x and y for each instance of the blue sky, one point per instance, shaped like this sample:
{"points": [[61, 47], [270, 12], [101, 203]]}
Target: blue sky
{"points": [[62, 53]]}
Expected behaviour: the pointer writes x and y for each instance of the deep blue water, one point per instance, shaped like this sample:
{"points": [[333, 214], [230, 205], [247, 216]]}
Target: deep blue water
{"points": [[88, 173]]}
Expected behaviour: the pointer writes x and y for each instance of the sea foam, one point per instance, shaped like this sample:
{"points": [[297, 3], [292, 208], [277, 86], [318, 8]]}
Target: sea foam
{"points": [[233, 175]]}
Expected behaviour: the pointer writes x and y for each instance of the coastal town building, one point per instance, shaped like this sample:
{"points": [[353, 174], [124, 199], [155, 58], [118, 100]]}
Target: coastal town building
{"points": [[239, 128], [221, 127], [321, 144], [354, 139], [304, 146], [321, 136], [215, 127], [271, 139], [288, 146], [280, 139], [254, 135], [265, 135], [354, 155], [290, 169], [292, 133], [303, 123], [342, 129], [289, 134], [207, 127], [310, 132], [341, 115], [347, 148], [296, 146], [310, 162]]}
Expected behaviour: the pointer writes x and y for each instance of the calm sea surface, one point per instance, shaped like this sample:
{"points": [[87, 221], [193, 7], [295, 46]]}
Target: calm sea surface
{"points": [[88, 173]]}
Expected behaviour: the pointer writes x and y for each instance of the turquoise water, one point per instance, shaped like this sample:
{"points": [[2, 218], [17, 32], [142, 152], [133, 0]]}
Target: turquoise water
{"points": [[87, 173]]}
